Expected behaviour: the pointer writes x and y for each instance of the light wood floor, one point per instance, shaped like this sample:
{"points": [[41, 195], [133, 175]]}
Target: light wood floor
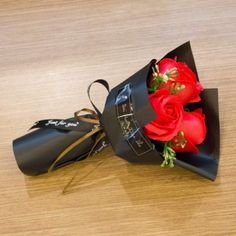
{"points": [[50, 51]]}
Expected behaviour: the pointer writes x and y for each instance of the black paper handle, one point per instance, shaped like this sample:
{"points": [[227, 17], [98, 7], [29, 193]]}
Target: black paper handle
{"points": [[105, 84]]}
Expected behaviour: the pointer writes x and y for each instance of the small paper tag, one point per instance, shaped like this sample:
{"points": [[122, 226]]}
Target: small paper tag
{"points": [[131, 131]]}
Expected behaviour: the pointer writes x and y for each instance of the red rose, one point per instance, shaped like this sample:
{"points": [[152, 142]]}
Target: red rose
{"points": [[192, 132], [183, 78], [169, 112], [172, 85]]}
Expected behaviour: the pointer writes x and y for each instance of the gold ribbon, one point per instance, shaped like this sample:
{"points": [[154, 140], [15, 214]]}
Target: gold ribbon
{"points": [[97, 129]]}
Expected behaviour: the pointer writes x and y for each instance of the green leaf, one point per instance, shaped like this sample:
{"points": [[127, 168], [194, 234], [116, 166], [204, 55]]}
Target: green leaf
{"points": [[169, 156]]}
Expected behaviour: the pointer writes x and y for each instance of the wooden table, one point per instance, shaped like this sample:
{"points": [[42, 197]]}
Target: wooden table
{"points": [[49, 53]]}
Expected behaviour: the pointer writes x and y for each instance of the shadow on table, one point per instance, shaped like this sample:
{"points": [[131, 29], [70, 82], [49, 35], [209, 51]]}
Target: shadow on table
{"points": [[161, 190]]}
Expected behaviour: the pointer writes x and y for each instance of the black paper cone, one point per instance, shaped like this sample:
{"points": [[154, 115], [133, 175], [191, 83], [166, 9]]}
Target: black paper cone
{"points": [[36, 151], [128, 109], [139, 111], [207, 160]]}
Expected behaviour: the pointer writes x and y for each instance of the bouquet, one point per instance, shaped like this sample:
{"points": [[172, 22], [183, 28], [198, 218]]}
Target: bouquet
{"points": [[161, 114]]}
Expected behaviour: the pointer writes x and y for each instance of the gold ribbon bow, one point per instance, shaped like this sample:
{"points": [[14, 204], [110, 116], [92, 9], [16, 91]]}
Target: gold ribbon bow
{"points": [[93, 119]]}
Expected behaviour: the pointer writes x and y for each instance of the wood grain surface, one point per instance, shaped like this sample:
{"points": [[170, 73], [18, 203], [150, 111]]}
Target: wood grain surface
{"points": [[50, 51]]}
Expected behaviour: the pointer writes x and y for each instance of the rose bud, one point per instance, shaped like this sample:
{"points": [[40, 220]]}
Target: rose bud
{"points": [[192, 132], [179, 79], [169, 112]]}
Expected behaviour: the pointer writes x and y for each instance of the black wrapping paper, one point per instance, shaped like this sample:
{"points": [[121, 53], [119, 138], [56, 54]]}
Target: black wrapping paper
{"points": [[37, 150], [127, 110], [205, 163], [142, 112]]}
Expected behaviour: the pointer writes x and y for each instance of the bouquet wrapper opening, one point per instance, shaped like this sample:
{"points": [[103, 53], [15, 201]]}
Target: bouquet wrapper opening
{"points": [[127, 110]]}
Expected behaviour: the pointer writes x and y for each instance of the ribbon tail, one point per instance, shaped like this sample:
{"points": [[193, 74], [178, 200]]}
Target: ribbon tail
{"points": [[67, 186], [73, 145]]}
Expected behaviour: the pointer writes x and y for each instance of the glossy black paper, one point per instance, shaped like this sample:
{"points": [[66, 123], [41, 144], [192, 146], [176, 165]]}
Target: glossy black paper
{"points": [[126, 111], [205, 163], [36, 151]]}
